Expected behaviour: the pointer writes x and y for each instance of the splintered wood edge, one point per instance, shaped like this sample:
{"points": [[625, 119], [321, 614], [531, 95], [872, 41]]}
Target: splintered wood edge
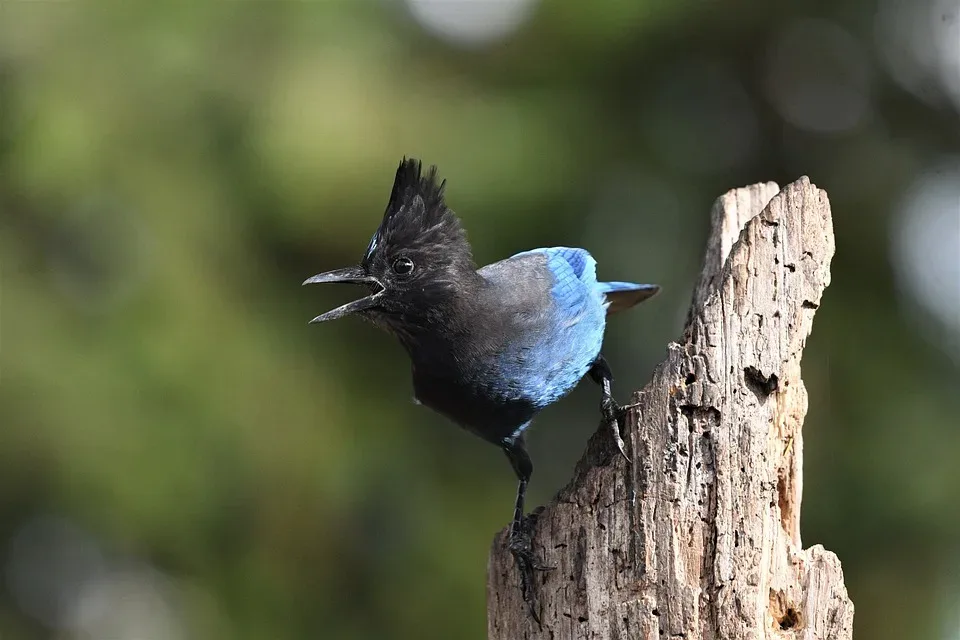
{"points": [[730, 214]]}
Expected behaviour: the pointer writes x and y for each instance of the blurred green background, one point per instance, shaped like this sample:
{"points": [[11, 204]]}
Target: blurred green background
{"points": [[181, 456]]}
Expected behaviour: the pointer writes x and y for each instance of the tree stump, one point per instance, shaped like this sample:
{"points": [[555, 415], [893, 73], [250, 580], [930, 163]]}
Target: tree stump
{"points": [[698, 536]]}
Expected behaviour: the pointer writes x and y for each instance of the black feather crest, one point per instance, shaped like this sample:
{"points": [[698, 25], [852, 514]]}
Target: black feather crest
{"points": [[410, 182], [418, 217]]}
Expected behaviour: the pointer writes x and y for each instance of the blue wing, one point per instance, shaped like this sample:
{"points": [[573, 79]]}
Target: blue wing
{"points": [[575, 274], [558, 313], [576, 286]]}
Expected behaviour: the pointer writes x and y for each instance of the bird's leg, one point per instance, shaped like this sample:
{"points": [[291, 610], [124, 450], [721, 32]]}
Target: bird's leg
{"points": [[521, 544], [601, 374]]}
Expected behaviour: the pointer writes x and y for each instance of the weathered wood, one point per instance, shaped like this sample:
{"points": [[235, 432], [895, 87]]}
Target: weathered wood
{"points": [[699, 536]]}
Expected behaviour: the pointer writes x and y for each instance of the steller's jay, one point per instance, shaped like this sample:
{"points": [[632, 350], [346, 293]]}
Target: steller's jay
{"points": [[490, 347]]}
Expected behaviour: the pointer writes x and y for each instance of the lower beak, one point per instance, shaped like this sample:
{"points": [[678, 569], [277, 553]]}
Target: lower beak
{"points": [[352, 275]]}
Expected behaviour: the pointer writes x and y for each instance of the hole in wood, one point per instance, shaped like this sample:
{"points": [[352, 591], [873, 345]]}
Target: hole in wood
{"points": [[785, 616], [761, 385], [789, 620]]}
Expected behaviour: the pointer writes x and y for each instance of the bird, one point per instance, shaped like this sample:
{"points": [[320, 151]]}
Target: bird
{"points": [[491, 347]]}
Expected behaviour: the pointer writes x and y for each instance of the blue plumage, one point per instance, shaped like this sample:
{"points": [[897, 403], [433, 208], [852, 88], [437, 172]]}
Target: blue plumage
{"points": [[551, 353], [553, 348], [491, 347], [607, 287]]}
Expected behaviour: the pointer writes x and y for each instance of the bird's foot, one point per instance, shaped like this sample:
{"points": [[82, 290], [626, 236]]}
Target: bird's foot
{"points": [[612, 412], [521, 546]]}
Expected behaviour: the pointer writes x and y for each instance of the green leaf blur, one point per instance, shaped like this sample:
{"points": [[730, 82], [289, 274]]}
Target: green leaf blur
{"points": [[169, 175]]}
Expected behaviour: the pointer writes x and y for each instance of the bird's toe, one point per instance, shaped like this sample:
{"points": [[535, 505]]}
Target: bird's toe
{"points": [[612, 413], [618, 440], [521, 546]]}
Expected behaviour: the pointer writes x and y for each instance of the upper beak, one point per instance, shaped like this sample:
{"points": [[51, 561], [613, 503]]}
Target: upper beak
{"points": [[353, 275]]}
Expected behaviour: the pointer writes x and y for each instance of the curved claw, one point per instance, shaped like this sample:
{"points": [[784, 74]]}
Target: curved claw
{"points": [[612, 412], [624, 409], [618, 440]]}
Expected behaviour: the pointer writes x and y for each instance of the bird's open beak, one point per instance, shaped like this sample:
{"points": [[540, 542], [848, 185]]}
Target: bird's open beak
{"points": [[354, 275]]}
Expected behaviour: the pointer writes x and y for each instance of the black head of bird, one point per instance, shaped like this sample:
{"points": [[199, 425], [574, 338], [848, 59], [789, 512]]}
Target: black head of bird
{"points": [[416, 263]]}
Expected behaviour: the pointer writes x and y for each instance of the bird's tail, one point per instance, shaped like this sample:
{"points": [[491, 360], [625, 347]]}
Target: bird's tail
{"points": [[623, 295]]}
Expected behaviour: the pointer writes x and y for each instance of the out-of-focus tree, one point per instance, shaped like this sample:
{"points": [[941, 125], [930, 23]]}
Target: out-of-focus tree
{"points": [[181, 456]]}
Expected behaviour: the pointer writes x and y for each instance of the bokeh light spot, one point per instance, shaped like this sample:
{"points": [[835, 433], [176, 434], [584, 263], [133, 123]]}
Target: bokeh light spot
{"points": [[471, 23], [818, 78], [919, 44], [49, 561], [926, 243]]}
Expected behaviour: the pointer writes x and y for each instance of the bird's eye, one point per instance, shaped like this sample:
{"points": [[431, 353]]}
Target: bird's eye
{"points": [[403, 266]]}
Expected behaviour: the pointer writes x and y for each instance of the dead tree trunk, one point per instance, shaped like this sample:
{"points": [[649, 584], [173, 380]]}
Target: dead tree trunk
{"points": [[699, 536]]}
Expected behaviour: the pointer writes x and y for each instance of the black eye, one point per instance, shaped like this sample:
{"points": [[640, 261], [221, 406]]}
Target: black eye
{"points": [[403, 266]]}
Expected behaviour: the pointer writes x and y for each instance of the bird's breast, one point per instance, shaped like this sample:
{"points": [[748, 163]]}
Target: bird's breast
{"points": [[474, 402], [510, 357], [493, 393]]}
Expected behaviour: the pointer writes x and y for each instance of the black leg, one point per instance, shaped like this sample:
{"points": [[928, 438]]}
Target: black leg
{"points": [[522, 466], [521, 544], [601, 374]]}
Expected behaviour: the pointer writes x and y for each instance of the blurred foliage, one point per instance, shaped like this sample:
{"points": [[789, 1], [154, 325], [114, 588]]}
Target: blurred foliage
{"points": [[169, 174]]}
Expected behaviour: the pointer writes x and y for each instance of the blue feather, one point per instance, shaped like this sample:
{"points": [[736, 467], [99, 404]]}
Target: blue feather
{"points": [[575, 277], [566, 341]]}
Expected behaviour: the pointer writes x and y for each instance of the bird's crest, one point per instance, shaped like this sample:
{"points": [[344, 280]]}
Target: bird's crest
{"points": [[417, 216]]}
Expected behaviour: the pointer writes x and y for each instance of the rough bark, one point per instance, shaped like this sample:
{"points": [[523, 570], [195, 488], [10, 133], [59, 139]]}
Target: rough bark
{"points": [[698, 536]]}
